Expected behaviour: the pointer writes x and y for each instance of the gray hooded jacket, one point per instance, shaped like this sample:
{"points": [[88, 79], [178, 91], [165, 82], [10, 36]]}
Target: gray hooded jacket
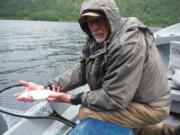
{"points": [[125, 68]]}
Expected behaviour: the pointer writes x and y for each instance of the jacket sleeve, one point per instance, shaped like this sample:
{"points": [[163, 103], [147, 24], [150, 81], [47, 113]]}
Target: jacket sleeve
{"points": [[70, 79], [123, 74]]}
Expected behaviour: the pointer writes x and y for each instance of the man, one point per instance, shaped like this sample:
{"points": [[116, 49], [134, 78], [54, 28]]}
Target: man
{"points": [[123, 69]]}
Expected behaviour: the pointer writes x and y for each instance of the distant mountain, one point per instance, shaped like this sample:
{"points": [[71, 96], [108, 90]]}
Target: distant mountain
{"points": [[151, 12]]}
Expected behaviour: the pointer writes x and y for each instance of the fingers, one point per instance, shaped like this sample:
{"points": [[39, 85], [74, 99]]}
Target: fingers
{"points": [[59, 97], [17, 94], [24, 83], [53, 97], [55, 88], [56, 97], [23, 98], [31, 85]]}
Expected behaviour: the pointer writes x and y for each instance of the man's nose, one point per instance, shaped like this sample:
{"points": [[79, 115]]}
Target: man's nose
{"points": [[94, 26]]}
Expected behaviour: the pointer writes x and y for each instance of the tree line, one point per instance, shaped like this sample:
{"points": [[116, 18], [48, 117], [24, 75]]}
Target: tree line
{"points": [[152, 12]]}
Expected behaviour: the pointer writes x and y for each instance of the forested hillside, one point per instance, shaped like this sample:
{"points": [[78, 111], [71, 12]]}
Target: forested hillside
{"points": [[151, 12]]}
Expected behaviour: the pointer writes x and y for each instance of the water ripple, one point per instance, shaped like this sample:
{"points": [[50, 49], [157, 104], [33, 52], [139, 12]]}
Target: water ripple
{"points": [[37, 50]]}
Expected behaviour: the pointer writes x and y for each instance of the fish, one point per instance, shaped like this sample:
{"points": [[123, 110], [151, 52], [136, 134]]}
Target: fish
{"points": [[37, 94]]}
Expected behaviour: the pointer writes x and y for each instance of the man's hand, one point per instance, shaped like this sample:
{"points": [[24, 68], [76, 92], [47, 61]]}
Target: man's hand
{"points": [[29, 87], [55, 96], [59, 97], [55, 88]]}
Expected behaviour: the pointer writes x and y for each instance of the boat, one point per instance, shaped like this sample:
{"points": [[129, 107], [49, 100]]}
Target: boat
{"points": [[168, 43], [164, 39]]}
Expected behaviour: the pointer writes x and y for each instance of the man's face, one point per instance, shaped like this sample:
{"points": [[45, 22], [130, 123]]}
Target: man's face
{"points": [[98, 27]]}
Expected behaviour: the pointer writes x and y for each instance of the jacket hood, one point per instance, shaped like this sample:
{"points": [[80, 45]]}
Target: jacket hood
{"points": [[106, 7]]}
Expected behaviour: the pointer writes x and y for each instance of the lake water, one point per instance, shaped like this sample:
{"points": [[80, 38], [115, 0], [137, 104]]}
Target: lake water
{"points": [[37, 50]]}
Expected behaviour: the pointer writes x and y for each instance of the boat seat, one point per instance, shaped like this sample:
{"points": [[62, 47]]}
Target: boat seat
{"points": [[90, 126]]}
